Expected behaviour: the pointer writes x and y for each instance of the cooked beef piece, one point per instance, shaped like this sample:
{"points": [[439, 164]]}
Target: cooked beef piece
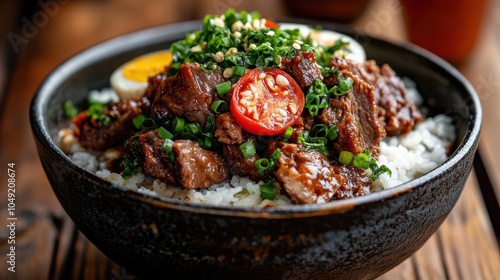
{"points": [[156, 160], [355, 115], [354, 181], [227, 131], [238, 164], [189, 94], [307, 177], [196, 167], [396, 112], [302, 67], [97, 136], [154, 83]]}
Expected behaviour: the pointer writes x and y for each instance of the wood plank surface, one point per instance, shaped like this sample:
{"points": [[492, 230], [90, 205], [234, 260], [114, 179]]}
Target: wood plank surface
{"points": [[50, 247]]}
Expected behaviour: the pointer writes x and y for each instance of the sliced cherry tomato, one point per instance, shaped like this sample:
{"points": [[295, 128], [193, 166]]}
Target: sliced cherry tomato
{"points": [[266, 102], [270, 24]]}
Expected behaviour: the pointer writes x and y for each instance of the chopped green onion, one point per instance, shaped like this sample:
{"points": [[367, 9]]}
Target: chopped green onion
{"points": [[313, 110], [95, 111], [262, 165], [267, 164], [332, 133], [343, 87], [167, 147], [248, 149], [178, 125], [209, 122], [267, 190], [164, 134], [207, 142], [192, 129], [288, 133], [104, 120], [363, 160], [137, 120], [148, 123], [239, 70], [319, 130], [379, 171], [69, 109], [242, 193], [219, 106], [345, 157], [223, 88]]}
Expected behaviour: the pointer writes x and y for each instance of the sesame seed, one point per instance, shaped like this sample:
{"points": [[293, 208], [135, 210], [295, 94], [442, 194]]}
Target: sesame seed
{"points": [[219, 57], [231, 51], [237, 34], [296, 46], [228, 73], [282, 81], [262, 75], [256, 24], [252, 46], [271, 33], [219, 22], [237, 25], [298, 42], [196, 48]]}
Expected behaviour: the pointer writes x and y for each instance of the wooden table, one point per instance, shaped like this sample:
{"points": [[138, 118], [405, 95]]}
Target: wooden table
{"points": [[49, 247]]}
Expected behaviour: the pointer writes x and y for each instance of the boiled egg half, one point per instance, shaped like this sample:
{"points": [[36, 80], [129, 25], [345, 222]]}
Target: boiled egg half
{"points": [[131, 79]]}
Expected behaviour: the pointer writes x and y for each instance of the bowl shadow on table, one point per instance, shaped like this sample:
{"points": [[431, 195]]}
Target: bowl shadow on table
{"points": [[351, 239]]}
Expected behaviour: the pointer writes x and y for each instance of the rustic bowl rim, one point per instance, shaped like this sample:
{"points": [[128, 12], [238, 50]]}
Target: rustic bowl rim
{"points": [[153, 35]]}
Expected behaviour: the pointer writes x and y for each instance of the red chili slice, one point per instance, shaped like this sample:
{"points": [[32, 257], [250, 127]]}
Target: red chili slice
{"points": [[266, 102]]}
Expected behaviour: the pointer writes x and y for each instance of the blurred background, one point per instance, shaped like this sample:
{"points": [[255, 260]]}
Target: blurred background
{"points": [[37, 35]]}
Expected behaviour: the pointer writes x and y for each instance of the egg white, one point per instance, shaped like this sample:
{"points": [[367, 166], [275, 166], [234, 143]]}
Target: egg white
{"points": [[125, 88], [128, 88]]}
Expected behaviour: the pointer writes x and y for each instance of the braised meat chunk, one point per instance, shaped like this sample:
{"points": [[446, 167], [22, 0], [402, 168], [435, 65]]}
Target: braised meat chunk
{"points": [[238, 164], [98, 135], [397, 113], [188, 94], [308, 177], [196, 167], [156, 161], [353, 182], [355, 115], [302, 67], [227, 131]]}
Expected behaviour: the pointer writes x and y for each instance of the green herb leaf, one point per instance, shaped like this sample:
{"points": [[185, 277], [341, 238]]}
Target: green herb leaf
{"points": [[69, 109]]}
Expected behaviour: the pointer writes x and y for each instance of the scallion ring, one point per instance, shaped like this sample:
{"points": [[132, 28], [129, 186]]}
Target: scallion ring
{"points": [[267, 190], [345, 157], [223, 88], [219, 106], [164, 134], [178, 125], [248, 149]]}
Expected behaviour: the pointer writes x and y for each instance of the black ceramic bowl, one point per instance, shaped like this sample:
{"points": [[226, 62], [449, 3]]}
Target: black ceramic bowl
{"points": [[357, 238]]}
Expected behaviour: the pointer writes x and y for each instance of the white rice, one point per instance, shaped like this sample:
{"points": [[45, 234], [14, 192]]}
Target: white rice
{"points": [[407, 157]]}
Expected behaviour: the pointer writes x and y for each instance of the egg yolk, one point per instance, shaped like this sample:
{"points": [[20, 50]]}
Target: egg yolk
{"points": [[142, 67]]}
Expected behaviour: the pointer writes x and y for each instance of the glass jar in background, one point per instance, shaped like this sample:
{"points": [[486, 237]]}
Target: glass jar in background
{"points": [[448, 28]]}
